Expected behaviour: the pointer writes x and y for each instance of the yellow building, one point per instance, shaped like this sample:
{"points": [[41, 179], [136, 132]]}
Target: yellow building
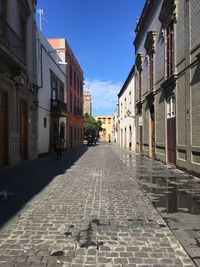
{"points": [[106, 133]]}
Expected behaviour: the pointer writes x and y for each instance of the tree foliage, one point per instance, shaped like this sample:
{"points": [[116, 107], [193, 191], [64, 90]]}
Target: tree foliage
{"points": [[91, 126]]}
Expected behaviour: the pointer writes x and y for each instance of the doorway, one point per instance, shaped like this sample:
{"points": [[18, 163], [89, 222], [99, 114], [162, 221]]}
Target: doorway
{"points": [[171, 131], [152, 131], [3, 129], [141, 139], [23, 129]]}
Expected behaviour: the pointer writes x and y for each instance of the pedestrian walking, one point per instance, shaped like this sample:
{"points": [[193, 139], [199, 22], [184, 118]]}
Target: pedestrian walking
{"points": [[59, 145]]}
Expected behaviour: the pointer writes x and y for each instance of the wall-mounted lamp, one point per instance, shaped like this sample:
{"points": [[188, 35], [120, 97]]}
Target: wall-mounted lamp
{"points": [[62, 63], [198, 56], [57, 50], [128, 113]]}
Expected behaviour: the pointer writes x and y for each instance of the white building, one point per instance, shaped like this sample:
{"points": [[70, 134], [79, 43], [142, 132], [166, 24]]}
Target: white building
{"points": [[127, 130], [52, 96], [115, 129]]}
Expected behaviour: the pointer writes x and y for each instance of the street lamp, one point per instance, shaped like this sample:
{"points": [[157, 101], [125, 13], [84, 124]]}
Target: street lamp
{"points": [[56, 51]]}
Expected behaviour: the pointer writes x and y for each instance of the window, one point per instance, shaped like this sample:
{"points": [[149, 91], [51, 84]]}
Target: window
{"points": [[78, 85], [78, 107], [70, 74], [109, 120], [45, 122], [171, 107], [3, 7], [151, 72], [81, 88], [22, 29], [71, 102], [81, 108], [130, 99], [57, 88], [62, 92], [170, 49], [140, 85], [74, 81], [53, 88], [75, 105], [104, 120]]}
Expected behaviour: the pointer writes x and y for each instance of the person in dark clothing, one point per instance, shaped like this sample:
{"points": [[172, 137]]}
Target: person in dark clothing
{"points": [[59, 145]]}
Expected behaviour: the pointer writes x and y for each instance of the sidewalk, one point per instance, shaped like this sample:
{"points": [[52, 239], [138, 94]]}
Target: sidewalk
{"points": [[85, 210]]}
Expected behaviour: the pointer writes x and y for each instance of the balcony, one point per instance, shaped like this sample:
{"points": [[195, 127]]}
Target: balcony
{"points": [[11, 46], [58, 108], [78, 112]]}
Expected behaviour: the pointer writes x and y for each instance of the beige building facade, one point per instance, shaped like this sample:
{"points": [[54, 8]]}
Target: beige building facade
{"points": [[167, 82], [107, 126], [87, 103], [18, 82]]}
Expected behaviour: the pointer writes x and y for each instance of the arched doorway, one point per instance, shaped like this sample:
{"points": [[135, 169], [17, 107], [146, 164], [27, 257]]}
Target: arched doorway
{"points": [[152, 132]]}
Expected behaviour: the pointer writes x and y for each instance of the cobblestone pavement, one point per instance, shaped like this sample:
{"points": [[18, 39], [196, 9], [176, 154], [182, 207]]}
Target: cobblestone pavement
{"points": [[94, 214]]}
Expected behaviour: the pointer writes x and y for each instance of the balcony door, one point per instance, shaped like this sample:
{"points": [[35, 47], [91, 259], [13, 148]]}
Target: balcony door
{"points": [[23, 129], [171, 130], [3, 129]]}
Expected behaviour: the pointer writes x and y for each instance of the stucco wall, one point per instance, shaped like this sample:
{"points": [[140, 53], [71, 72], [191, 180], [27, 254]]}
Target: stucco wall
{"points": [[127, 123], [49, 62]]}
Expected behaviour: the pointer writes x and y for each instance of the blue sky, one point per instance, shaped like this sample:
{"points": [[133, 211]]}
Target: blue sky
{"points": [[101, 34]]}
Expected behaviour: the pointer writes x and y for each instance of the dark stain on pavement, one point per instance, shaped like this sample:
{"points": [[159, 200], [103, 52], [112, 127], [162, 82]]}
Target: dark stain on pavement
{"points": [[89, 234], [57, 253]]}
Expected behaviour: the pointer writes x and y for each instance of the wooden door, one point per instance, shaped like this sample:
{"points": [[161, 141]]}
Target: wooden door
{"points": [[23, 130], [152, 133], [153, 139], [171, 140], [141, 140], [3, 129]]}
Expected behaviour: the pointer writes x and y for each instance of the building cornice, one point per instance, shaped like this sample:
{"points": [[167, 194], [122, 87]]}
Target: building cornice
{"points": [[168, 12], [145, 17], [127, 81]]}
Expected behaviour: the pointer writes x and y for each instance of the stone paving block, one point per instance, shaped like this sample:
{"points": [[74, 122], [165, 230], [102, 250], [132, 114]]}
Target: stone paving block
{"points": [[92, 214]]}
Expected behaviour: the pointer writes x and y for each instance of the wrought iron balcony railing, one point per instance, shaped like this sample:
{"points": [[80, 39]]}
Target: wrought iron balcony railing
{"points": [[78, 111], [12, 41], [58, 107]]}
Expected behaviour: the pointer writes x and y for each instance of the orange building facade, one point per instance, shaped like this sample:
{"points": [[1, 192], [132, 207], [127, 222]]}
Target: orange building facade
{"points": [[74, 84]]}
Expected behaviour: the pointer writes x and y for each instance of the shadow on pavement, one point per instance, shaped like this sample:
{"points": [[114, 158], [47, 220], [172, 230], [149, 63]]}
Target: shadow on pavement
{"points": [[19, 184]]}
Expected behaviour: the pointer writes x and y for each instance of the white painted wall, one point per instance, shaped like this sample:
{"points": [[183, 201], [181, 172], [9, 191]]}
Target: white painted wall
{"points": [[127, 104], [47, 60]]}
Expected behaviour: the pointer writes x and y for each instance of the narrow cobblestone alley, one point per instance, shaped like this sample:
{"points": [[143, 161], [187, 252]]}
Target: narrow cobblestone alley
{"points": [[92, 213]]}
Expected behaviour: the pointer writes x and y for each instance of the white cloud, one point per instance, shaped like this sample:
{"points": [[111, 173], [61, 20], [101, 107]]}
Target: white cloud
{"points": [[104, 95]]}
